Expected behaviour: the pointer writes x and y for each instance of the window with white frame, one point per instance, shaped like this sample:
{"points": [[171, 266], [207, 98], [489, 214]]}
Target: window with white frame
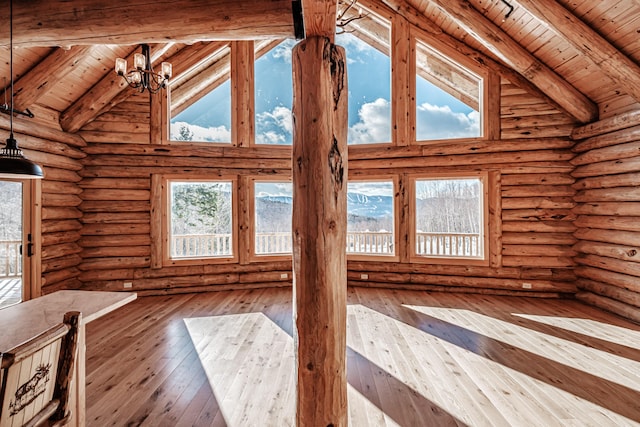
{"points": [[450, 217], [273, 207], [200, 219], [370, 218]]}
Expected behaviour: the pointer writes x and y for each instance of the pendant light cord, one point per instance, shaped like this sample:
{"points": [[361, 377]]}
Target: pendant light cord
{"points": [[11, 66]]}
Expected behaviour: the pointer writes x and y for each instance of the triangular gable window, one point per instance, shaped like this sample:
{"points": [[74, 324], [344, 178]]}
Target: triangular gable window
{"points": [[208, 118], [448, 97]]}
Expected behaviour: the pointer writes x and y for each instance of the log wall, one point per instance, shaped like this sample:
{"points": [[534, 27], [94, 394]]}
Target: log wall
{"points": [[607, 172], [60, 154], [533, 242]]}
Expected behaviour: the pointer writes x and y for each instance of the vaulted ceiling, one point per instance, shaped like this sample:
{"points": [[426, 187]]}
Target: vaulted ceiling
{"points": [[581, 54]]}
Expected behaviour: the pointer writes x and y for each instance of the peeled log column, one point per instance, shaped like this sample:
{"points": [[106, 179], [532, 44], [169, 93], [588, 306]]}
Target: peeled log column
{"points": [[319, 230]]}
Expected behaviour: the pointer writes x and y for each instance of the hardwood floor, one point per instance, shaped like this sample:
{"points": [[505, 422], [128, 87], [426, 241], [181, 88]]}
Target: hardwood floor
{"points": [[414, 359]]}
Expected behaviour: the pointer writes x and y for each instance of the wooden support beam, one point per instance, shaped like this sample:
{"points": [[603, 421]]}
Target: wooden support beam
{"points": [[403, 84], [319, 231], [44, 76], [615, 64], [46, 23], [513, 54], [320, 18], [89, 105], [242, 93]]}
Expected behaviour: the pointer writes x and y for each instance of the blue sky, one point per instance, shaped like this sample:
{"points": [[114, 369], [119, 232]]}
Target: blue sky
{"points": [[439, 115]]}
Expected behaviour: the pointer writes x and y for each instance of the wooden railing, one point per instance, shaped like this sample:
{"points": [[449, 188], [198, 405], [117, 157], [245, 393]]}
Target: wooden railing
{"points": [[449, 244], [273, 243], [362, 242], [370, 242], [10, 258], [200, 245], [191, 246]]}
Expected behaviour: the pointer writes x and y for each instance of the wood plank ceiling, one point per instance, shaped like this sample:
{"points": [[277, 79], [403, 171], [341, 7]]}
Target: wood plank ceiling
{"points": [[74, 85]]}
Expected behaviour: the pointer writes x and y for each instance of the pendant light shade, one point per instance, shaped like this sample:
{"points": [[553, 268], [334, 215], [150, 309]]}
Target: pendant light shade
{"points": [[13, 164]]}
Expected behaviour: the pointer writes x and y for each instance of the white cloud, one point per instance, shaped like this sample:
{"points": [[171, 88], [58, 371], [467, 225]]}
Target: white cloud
{"points": [[274, 127], [200, 133], [283, 50], [440, 122], [374, 124]]}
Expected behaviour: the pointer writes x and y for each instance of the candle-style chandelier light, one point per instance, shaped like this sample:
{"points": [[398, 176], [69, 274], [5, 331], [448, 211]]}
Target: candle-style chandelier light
{"points": [[142, 76]]}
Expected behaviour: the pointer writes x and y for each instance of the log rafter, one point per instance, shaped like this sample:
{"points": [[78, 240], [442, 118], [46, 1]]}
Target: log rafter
{"points": [[435, 34], [89, 105], [513, 54], [617, 66], [29, 88]]}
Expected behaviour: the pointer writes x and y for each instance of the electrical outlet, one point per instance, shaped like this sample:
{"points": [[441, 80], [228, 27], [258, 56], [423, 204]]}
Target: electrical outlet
{"points": [[128, 285], [283, 275], [364, 276], [526, 285]]}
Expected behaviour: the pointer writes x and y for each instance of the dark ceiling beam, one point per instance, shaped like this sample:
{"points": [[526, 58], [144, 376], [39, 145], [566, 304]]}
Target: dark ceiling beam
{"points": [[83, 22], [615, 64], [494, 39]]}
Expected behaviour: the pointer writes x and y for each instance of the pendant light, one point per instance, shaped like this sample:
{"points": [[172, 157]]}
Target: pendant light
{"points": [[13, 163]]}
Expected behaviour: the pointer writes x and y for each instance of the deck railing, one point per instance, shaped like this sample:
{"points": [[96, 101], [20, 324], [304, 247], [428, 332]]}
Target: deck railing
{"points": [[197, 245], [449, 244], [273, 243], [200, 245], [370, 242], [361, 242], [10, 258]]}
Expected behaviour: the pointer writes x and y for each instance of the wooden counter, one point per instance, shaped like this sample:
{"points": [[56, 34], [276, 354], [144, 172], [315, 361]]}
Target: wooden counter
{"points": [[21, 322]]}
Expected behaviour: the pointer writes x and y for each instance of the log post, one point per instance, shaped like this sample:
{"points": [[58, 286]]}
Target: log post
{"points": [[319, 230]]}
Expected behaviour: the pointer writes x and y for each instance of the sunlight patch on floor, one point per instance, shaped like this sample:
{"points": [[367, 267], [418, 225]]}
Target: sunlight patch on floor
{"points": [[589, 327]]}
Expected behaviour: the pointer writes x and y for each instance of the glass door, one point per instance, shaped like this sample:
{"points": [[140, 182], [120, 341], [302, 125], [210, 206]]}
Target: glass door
{"points": [[11, 242]]}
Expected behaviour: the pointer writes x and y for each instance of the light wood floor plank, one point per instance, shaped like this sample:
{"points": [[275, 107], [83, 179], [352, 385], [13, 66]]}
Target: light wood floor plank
{"points": [[413, 359]]}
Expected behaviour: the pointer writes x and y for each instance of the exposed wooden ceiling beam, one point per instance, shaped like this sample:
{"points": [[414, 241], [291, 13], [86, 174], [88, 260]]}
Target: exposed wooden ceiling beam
{"points": [[320, 18], [44, 76], [616, 65], [89, 105], [435, 36], [514, 55], [82, 22]]}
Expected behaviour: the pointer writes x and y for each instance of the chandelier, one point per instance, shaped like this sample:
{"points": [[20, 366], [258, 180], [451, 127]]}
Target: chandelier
{"points": [[142, 76]]}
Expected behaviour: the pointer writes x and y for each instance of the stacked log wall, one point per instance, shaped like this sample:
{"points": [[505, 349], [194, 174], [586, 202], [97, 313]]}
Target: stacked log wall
{"points": [[532, 161], [60, 154], [607, 172]]}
